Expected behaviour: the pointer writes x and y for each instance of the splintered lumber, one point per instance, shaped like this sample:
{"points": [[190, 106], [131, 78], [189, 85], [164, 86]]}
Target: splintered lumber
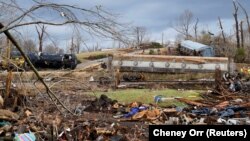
{"points": [[169, 110], [245, 105], [194, 103], [8, 115], [222, 105], [1, 101], [153, 114], [91, 67], [8, 84], [147, 114]]}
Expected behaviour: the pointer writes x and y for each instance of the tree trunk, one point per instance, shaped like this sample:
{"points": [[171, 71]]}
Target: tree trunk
{"points": [[195, 29], [242, 34], [222, 31], [236, 24], [40, 33], [247, 18]]}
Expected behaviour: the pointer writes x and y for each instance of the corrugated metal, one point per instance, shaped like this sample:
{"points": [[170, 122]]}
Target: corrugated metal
{"points": [[206, 51], [193, 45]]}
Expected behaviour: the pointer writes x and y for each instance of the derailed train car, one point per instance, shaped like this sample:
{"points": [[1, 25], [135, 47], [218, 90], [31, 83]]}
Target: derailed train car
{"points": [[54, 61], [194, 57], [155, 63], [169, 64], [39, 60]]}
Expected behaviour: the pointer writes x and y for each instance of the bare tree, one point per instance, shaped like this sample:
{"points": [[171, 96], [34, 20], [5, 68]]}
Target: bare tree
{"points": [[76, 42], [1, 44], [184, 22], [86, 47], [29, 46], [242, 34], [196, 29], [95, 21], [8, 10], [51, 49], [205, 37], [61, 51], [247, 18], [235, 14], [97, 47], [222, 30], [40, 31], [140, 33], [72, 46]]}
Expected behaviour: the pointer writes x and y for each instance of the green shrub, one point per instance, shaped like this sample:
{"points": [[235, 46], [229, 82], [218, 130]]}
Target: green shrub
{"points": [[240, 55], [156, 45], [151, 52]]}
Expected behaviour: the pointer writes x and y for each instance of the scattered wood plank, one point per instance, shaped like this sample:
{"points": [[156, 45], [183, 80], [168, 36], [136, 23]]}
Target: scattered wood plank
{"points": [[8, 115], [194, 103], [222, 105], [245, 105]]}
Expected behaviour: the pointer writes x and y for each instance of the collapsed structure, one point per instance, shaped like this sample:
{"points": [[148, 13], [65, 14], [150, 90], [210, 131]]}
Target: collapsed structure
{"points": [[191, 48]]}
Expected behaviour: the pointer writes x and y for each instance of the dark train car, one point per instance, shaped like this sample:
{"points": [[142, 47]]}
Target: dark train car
{"points": [[191, 48], [55, 61]]}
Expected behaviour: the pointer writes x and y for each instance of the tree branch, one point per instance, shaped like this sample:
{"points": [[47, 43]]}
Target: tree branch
{"points": [[49, 92], [247, 18]]}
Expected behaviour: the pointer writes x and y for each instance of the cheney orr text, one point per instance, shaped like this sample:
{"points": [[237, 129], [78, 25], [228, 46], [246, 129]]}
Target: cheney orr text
{"points": [[194, 132]]}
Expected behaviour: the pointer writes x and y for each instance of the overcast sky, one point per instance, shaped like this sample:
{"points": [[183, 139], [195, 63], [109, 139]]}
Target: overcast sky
{"points": [[158, 16]]}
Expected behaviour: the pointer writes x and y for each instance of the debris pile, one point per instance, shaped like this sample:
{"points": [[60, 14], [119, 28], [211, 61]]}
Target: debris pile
{"points": [[200, 112], [106, 119], [222, 106], [35, 117], [92, 121]]}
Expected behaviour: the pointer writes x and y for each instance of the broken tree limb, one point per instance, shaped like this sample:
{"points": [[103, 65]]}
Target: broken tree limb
{"points": [[235, 14], [222, 105], [190, 102], [8, 84], [245, 105], [49, 92], [246, 14], [8, 115], [222, 30]]}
